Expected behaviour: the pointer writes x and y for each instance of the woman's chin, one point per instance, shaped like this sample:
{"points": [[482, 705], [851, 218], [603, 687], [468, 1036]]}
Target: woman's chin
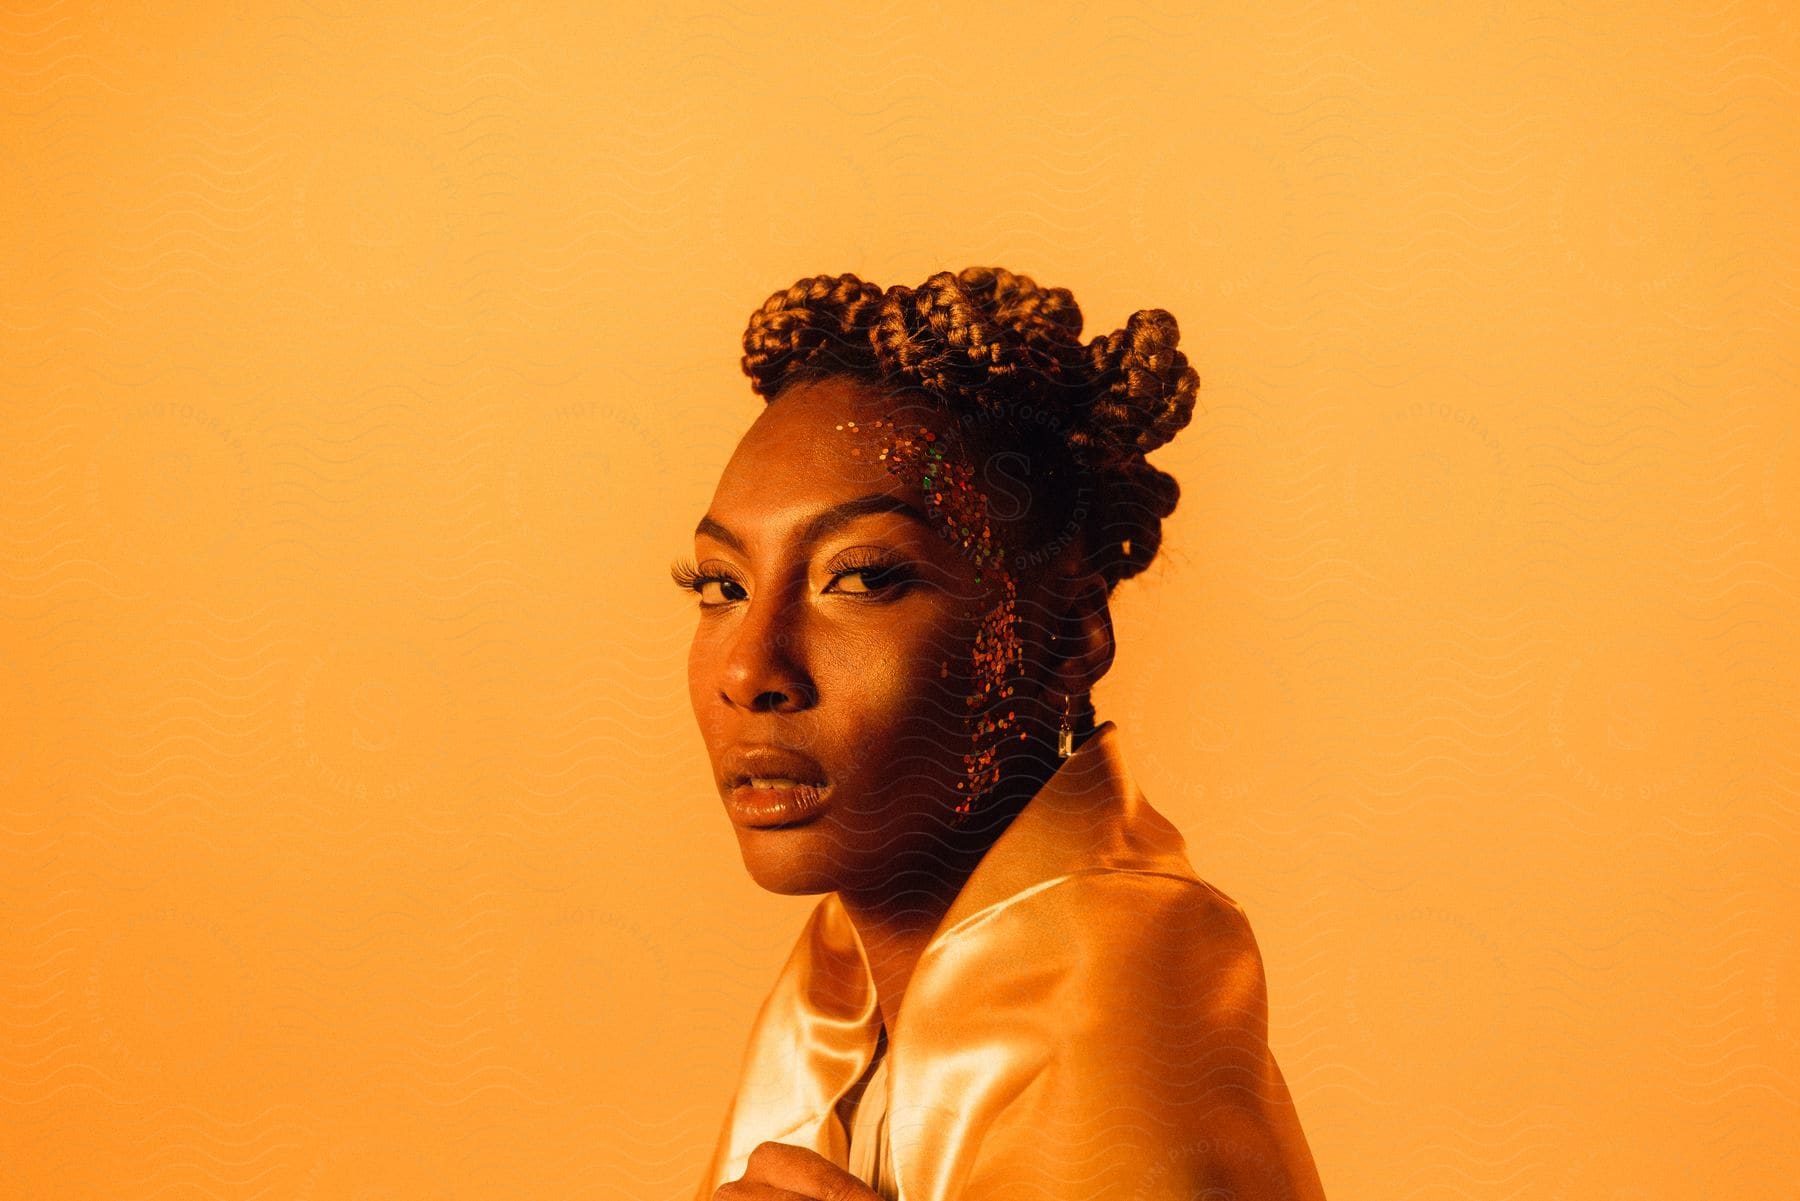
{"points": [[788, 861]]}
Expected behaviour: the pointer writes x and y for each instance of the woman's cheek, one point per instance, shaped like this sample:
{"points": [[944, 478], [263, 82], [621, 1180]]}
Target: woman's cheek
{"points": [[912, 683], [700, 674]]}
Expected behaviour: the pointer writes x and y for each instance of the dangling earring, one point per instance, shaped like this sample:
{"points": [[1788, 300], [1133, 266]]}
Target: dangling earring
{"points": [[1065, 733]]}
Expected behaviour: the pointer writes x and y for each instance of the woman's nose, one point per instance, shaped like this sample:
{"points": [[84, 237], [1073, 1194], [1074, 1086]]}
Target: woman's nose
{"points": [[764, 669]]}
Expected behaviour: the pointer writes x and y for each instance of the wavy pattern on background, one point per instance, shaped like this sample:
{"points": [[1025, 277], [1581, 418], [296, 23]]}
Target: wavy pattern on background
{"points": [[362, 370]]}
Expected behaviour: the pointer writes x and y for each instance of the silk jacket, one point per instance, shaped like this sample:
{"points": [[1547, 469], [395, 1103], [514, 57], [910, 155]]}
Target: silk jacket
{"points": [[1087, 1023]]}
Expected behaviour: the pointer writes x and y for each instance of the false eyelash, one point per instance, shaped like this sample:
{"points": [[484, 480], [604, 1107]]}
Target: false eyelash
{"points": [[688, 576], [883, 572], [869, 560], [885, 575]]}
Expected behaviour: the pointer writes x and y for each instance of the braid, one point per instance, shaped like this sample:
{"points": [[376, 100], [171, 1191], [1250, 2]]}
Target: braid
{"points": [[985, 342], [1144, 396], [809, 329]]}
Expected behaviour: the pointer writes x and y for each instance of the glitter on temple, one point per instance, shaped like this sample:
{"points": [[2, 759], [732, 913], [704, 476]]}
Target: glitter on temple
{"points": [[959, 514]]}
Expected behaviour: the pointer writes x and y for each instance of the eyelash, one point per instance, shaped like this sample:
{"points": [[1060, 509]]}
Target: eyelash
{"points": [[690, 578], [881, 576]]}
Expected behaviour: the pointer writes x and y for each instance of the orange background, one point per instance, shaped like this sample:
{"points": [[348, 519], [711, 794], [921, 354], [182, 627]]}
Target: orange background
{"points": [[363, 370]]}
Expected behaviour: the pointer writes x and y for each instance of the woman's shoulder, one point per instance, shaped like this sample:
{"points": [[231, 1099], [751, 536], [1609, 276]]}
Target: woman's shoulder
{"points": [[1164, 915], [1162, 907], [1145, 939], [1132, 1012]]}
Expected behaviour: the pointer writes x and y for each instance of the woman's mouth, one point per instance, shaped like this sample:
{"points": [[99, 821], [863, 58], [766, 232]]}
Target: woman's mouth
{"points": [[767, 786], [765, 802]]}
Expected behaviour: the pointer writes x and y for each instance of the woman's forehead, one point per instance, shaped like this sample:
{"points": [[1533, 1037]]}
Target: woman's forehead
{"points": [[825, 445], [818, 443], [837, 404]]}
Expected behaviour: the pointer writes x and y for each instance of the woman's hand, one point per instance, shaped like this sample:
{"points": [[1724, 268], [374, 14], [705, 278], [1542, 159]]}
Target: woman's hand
{"points": [[780, 1172]]}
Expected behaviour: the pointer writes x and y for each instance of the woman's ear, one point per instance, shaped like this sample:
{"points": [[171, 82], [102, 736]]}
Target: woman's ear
{"points": [[1085, 632]]}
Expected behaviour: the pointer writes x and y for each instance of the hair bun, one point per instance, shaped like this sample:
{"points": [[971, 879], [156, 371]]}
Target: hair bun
{"points": [[822, 320], [983, 334], [1144, 389]]}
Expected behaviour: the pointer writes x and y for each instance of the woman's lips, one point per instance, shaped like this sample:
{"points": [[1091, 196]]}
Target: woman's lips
{"points": [[767, 786], [762, 803]]}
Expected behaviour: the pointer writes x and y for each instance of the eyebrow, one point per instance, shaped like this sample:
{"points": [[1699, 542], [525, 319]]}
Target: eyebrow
{"points": [[824, 524]]}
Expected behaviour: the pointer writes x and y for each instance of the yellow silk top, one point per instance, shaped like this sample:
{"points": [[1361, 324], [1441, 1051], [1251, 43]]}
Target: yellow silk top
{"points": [[1088, 1023]]}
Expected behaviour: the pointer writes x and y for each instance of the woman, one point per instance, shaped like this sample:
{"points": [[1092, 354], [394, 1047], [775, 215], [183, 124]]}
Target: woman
{"points": [[1015, 985]]}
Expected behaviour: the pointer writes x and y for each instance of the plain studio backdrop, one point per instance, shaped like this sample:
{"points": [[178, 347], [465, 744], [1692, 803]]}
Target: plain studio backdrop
{"points": [[362, 369]]}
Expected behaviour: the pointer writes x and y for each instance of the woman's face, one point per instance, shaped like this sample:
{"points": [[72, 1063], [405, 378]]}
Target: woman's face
{"points": [[836, 644]]}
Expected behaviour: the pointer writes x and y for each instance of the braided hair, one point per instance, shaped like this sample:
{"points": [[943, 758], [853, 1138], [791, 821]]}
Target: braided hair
{"points": [[986, 344]]}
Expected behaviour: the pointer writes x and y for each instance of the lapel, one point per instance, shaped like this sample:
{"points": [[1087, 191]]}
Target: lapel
{"points": [[816, 1032]]}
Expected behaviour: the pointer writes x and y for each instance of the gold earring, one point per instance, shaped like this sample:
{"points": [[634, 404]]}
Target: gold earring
{"points": [[1065, 733]]}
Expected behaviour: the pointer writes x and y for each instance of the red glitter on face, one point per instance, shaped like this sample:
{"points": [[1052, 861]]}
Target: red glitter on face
{"points": [[959, 514]]}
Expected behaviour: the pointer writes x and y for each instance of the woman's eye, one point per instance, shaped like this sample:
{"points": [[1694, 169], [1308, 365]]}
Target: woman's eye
{"points": [[712, 587], [717, 590], [866, 580]]}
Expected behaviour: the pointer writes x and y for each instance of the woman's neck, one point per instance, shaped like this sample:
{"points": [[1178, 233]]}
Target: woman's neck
{"points": [[894, 941], [896, 922]]}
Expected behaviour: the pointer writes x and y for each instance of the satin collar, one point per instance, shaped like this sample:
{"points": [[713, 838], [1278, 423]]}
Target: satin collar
{"points": [[1088, 816]]}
